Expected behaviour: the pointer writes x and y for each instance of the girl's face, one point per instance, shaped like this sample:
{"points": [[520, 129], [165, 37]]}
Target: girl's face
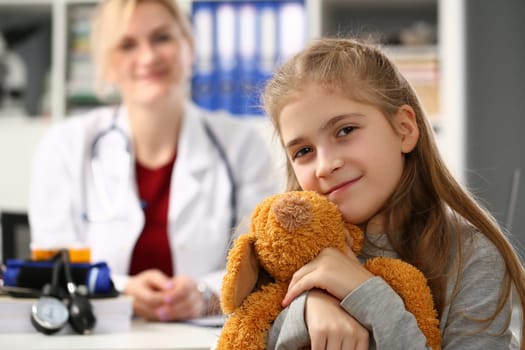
{"points": [[153, 59], [346, 150]]}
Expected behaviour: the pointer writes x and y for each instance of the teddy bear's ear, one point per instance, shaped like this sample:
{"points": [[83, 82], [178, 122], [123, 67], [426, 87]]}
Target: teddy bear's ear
{"points": [[354, 237], [242, 271]]}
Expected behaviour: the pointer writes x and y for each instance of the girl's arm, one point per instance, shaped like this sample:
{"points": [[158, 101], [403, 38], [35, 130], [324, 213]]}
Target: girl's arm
{"points": [[367, 298], [325, 325], [476, 297], [289, 328], [382, 311]]}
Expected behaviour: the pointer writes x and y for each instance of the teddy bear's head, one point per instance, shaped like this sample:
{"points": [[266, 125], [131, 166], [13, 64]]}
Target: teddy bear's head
{"points": [[290, 229], [287, 230]]}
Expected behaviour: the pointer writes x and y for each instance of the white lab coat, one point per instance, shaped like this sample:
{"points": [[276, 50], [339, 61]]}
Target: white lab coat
{"points": [[63, 191]]}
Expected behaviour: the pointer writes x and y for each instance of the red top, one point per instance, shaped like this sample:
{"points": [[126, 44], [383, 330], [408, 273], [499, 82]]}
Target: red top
{"points": [[152, 249]]}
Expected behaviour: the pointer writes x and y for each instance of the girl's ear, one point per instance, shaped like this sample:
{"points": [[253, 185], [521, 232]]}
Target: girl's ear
{"points": [[407, 128]]}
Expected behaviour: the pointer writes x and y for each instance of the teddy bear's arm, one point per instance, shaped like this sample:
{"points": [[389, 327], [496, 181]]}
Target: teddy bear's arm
{"points": [[248, 325]]}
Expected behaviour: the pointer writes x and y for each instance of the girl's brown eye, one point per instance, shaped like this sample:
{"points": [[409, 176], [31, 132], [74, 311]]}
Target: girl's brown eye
{"points": [[302, 152], [346, 130]]}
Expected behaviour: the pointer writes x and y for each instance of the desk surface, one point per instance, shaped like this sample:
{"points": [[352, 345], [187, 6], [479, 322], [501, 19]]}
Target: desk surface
{"points": [[143, 335]]}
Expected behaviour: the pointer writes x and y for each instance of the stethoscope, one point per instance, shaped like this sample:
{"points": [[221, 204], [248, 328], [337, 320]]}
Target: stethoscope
{"points": [[110, 207]]}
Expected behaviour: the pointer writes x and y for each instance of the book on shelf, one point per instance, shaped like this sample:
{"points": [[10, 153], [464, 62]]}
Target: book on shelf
{"points": [[113, 315]]}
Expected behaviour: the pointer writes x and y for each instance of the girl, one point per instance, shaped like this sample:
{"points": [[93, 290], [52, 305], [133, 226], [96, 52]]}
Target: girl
{"points": [[354, 130], [153, 186]]}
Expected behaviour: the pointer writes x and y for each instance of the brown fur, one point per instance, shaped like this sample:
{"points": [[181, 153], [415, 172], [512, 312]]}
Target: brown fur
{"points": [[287, 231]]}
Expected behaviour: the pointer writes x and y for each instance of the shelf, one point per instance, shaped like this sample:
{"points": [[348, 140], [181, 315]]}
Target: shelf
{"points": [[335, 17]]}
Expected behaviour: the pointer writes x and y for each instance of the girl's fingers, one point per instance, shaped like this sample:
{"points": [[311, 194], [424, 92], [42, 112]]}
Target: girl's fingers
{"points": [[318, 342], [332, 271], [334, 343], [300, 285]]}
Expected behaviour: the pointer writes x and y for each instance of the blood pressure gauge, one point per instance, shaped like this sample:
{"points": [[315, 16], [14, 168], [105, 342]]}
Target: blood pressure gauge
{"points": [[49, 314]]}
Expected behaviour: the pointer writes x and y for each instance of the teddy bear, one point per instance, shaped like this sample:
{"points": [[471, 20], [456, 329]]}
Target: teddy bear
{"points": [[288, 230]]}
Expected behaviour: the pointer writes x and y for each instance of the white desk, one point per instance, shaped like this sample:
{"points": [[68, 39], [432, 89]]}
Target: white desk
{"points": [[143, 335]]}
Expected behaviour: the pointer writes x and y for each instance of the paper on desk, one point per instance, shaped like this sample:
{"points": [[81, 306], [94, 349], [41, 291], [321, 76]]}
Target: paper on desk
{"points": [[208, 321]]}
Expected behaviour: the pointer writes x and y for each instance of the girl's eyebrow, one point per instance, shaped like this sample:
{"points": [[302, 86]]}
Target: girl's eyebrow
{"points": [[293, 142], [329, 124], [332, 121]]}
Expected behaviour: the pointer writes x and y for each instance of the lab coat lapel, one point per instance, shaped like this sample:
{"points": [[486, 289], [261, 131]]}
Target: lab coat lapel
{"points": [[193, 159]]}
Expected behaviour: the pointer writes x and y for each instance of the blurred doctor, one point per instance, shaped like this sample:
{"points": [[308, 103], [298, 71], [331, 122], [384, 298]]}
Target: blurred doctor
{"points": [[153, 185]]}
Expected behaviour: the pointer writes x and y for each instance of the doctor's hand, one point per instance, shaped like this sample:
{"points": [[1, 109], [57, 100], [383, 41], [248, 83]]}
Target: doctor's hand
{"points": [[182, 301], [157, 297], [330, 326], [148, 290]]}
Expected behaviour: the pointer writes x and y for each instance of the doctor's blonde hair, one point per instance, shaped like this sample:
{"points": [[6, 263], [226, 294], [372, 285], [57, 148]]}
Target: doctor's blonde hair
{"points": [[110, 19]]}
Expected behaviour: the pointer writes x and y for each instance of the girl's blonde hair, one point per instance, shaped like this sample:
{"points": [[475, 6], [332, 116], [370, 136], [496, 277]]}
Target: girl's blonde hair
{"points": [[110, 19], [428, 208]]}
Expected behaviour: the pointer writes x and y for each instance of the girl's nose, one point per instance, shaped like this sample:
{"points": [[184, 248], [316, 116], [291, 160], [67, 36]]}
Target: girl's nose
{"points": [[328, 164]]}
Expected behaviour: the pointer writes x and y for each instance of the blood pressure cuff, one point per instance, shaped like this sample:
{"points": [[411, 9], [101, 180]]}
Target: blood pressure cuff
{"points": [[35, 274]]}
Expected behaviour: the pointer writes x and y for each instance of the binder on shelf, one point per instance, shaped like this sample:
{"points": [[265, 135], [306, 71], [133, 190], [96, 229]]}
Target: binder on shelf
{"points": [[204, 79], [245, 72], [291, 28], [226, 15], [266, 52], [238, 46]]}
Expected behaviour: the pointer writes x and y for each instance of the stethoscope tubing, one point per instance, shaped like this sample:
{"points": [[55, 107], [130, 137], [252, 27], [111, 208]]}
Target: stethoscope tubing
{"points": [[101, 190]]}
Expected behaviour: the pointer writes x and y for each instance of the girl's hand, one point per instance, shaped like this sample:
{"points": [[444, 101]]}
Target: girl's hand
{"points": [[333, 271], [330, 327], [147, 289]]}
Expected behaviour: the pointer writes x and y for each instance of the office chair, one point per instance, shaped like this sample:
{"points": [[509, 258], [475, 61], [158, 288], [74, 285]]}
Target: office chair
{"points": [[15, 235]]}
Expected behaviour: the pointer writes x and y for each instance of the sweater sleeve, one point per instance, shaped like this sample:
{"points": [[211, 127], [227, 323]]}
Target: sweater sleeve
{"points": [[379, 309], [289, 332], [476, 297]]}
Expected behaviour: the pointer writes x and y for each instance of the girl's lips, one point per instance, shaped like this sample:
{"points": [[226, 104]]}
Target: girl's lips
{"points": [[342, 187]]}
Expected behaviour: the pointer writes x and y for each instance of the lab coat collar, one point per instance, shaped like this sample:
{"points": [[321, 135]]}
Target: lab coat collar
{"points": [[193, 145], [193, 160], [193, 149]]}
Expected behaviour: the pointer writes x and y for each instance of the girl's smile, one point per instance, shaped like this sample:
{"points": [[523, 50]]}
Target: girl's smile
{"points": [[341, 188]]}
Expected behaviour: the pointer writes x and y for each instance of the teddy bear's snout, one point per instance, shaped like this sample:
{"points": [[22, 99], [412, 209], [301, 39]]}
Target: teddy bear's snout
{"points": [[292, 212]]}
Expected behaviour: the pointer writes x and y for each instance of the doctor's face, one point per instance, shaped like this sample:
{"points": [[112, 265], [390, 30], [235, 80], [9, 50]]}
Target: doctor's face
{"points": [[152, 60]]}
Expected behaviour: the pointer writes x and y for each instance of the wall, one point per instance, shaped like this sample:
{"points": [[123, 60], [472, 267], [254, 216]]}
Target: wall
{"points": [[19, 137], [495, 108]]}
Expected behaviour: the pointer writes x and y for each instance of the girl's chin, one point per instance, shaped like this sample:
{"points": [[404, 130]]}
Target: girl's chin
{"points": [[353, 215]]}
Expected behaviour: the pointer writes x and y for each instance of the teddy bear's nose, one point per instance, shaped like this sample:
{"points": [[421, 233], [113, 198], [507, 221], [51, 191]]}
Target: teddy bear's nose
{"points": [[292, 212]]}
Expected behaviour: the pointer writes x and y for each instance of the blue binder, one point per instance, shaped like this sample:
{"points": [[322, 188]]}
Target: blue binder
{"points": [[204, 80], [238, 46], [244, 82], [225, 31]]}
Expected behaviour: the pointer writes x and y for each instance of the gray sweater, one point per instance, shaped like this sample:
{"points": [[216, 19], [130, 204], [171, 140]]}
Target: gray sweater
{"points": [[378, 308]]}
